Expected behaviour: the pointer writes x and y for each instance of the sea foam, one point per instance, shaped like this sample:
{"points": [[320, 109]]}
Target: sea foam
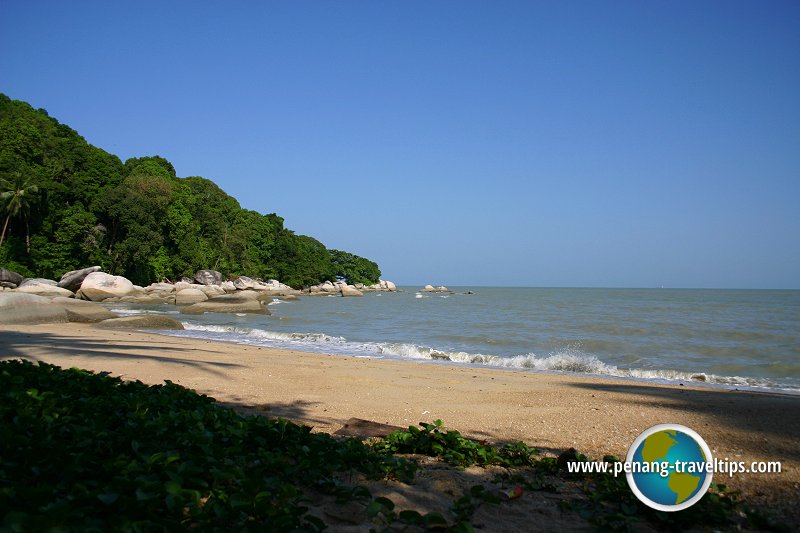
{"points": [[570, 360]]}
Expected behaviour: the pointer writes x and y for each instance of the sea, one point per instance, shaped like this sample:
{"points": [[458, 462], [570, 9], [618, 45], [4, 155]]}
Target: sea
{"points": [[743, 339]]}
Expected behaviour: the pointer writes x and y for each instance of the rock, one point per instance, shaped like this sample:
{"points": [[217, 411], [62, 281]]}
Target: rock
{"points": [[9, 276], [38, 281], [243, 282], [190, 296], [212, 291], [382, 285], [160, 287], [141, 322], [181, 285], [83, 311], [43, 287], [240, 302], [228, 286], [72, 280], [21, 308], [99, 286], [431, 288], [351, 291], [208, 277], [8, 285], [328, 287]]}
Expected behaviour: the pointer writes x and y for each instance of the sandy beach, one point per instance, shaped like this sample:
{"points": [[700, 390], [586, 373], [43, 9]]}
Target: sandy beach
{"points": [[550, 411]]}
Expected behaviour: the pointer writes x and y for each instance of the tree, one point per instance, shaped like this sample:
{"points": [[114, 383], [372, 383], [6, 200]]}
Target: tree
{"points": [[355, 269], [16, 195]]}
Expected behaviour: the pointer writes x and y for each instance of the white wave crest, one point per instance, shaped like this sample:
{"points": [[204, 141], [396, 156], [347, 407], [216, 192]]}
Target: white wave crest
{"points": [[251, 333], [571, 360]]}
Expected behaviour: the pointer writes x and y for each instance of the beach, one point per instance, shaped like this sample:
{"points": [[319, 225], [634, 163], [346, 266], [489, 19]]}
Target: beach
{"points": [[551, 411]]}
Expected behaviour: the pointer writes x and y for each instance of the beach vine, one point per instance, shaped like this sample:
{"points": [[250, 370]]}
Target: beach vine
{"points": [[84, 451]]}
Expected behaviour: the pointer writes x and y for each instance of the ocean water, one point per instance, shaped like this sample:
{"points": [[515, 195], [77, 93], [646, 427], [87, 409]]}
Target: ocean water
{"points": [[729, 338]]}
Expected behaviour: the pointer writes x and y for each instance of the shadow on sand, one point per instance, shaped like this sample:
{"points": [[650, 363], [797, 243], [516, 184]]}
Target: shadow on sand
{"points": [[34, 346], [747, 411]]}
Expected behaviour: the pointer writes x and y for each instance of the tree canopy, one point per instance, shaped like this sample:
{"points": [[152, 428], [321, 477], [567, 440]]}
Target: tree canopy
{"points": [[83, 206]]}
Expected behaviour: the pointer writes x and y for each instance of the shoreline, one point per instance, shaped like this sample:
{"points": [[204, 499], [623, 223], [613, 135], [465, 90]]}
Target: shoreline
{"points": [[551, 411], [659, 377]]}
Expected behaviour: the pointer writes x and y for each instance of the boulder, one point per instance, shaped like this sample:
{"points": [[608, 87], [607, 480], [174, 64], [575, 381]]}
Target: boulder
{"points": [[228, 286], [212, 291], [20, 308], [160, 287], [351, 291], [83, 311], [72, 280], [99, 286], [431, 288], [208, 277], [241, 302], [181, 285], [243, 282], [389, 286], [190, 296], [11, 277], [141, 322], [43, 287]]}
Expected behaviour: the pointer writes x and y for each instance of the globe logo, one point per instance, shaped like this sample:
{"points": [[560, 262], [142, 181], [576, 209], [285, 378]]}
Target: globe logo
{"points": [[670, 467]]}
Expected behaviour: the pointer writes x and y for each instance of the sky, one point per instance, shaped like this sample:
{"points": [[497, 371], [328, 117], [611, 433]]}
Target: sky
{"points": [[570, 143]]}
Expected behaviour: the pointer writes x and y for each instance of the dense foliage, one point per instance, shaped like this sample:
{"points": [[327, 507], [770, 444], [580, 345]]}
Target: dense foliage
{"points": [[87, 452], [83, 206], [81, 451]]}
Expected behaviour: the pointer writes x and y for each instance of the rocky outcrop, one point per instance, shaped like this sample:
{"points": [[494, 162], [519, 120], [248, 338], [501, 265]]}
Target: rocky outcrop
{"points": [[21, 308], [99, 286], [382, 285], [83, 311], [43, 287], [212, 291], [190, 296], [240, 302], [72, 280], [431, 288], [208, 277], [10, 279], [160, 287], [141, 322], [244, 283], [228, 286], [350, 291]]}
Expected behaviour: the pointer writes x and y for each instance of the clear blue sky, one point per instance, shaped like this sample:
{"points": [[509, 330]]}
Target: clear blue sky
{"points": [[640, 143]]}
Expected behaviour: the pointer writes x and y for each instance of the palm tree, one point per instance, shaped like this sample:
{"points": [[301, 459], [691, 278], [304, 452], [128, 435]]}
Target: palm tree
{"points": [[16, 195]]}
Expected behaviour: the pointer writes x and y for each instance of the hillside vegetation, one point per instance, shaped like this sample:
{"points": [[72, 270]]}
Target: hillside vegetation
{"points": [[67, 204]]}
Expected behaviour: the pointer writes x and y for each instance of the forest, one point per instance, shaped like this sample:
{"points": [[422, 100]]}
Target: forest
{"points": [[66, 204]]}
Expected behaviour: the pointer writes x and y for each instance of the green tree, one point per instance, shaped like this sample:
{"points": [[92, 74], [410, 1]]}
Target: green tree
{"points": [[355, 269], [137, 219], [17, 194]]}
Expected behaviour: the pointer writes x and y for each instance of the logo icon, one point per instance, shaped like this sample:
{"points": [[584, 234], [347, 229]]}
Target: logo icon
{"points": [[672, 467]]}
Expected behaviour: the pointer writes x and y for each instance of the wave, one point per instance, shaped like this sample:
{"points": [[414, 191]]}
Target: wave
{"points": [[126, 311], [253, 333], [570, 360]]}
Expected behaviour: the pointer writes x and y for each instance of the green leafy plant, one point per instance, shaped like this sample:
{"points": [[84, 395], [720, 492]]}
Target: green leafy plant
{"points": [[75, 446], [451, 446]]}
